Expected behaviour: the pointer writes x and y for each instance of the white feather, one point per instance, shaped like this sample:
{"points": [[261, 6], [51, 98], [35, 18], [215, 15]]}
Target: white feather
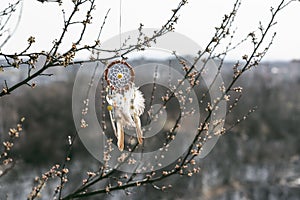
{"points": [[127, 108]]}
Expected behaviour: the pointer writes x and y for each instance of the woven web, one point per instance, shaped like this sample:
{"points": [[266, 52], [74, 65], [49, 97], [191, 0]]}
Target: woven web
{"points": [[119, 76]]}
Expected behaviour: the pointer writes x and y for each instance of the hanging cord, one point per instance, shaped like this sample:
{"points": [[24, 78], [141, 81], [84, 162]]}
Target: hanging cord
{"points": [[120, 29]]}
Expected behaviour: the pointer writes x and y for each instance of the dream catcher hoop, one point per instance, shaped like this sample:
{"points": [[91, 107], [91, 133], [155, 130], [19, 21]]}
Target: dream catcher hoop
{"points": [[119, 75]]}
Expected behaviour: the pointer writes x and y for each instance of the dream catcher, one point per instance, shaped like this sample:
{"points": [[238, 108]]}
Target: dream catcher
{"points": [[126, 101]]}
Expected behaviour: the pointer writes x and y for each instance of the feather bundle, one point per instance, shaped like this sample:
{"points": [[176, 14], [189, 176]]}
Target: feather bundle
{"points": [[125, 109]]}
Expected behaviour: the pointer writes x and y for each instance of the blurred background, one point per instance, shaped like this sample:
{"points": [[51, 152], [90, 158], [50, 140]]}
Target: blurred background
{"points": [[258, 159]]}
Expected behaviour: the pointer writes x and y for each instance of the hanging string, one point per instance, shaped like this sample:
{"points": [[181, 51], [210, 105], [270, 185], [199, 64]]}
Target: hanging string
{"points": [[120, 29]]}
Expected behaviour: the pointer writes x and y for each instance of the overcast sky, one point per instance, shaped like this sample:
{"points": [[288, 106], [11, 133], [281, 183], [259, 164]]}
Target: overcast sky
{"points": [[197, 21]]}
